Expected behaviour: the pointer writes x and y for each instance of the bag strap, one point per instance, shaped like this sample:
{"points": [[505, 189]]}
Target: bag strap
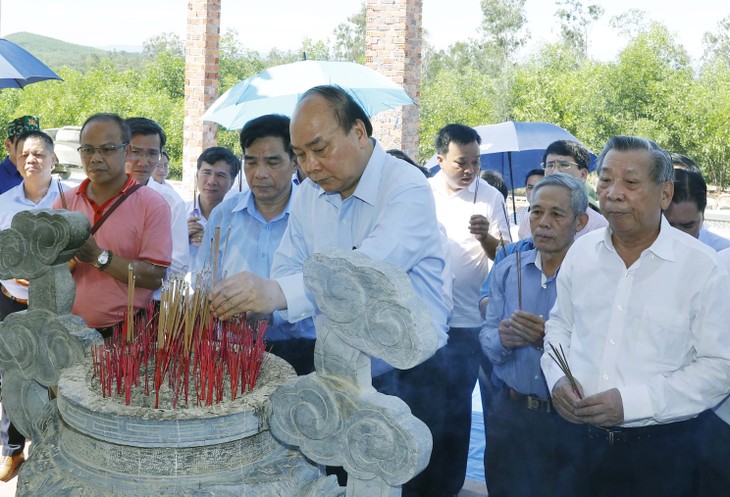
{"points": [[129, 191]]}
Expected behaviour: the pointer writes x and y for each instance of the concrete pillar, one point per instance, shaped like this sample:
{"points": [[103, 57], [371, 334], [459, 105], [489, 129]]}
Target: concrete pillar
{"points": [[393, 40], [201, 81]]}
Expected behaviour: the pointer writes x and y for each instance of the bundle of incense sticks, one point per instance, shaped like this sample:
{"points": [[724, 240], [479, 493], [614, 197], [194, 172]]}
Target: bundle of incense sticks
{"points": [[562, 363], [180, 346]]}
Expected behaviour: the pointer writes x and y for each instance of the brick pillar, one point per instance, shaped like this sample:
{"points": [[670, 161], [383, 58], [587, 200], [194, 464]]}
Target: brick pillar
{"points": [[393, 36], [201, 81]]}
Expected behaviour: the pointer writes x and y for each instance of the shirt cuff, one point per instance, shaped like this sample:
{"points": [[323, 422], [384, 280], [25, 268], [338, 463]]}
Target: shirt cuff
{"points": [[637, 403], [299, 301]]}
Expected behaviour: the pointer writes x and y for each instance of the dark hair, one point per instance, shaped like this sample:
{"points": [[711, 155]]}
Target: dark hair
{"points": [[570, 148], [165, 154], [681, 161], [275, 125], [115, 118], [145, 127], [661, 168], [344, 107], [404, 156], [534, 172], [212, 155], [457, 133], [690, 186], [36, 134], [496, 180]]}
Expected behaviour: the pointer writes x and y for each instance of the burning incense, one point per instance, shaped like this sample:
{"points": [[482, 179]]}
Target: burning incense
{"points": [[64, 205], [562, 363]]}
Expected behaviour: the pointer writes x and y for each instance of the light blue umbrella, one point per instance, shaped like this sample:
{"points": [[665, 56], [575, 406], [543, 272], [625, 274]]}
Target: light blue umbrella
{"points": [[276, 91], [19, 68]]}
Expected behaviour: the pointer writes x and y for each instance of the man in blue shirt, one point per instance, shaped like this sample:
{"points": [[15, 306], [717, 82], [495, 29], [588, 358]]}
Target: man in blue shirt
{"points": [[9, 174], [252, 224], [523, 451], [357, 197]]}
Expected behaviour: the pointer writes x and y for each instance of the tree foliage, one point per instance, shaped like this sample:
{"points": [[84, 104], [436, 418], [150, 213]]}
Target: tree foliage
{"points": [[651, 89]]}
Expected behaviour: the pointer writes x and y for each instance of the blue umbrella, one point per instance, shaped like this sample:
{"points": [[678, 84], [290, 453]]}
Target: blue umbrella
{"points": [[513, 149], [277, 89], [19, 68]]}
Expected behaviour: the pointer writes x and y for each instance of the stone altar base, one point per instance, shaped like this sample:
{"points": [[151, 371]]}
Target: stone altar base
{"points": [[93, 446]]}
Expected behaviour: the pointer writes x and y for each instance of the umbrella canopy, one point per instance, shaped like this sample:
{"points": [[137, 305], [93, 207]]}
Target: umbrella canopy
{"points": [[276, 91], [515, 148], [19, 68]]}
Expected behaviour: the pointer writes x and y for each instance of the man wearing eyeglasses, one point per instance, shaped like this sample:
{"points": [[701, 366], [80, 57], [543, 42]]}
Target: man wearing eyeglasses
{"points": [[145, 152], [572, 158], [137, 231]]}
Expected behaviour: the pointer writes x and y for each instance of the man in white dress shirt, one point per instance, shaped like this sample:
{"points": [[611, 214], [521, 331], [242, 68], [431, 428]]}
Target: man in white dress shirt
{"points": [[642, 315]]}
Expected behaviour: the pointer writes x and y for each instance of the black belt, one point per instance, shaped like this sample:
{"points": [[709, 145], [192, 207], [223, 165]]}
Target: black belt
{"points": [[529, 401], [625, 436]]}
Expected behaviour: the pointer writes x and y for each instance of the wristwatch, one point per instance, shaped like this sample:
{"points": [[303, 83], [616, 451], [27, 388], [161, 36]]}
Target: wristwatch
{"points": [[105, 257]]}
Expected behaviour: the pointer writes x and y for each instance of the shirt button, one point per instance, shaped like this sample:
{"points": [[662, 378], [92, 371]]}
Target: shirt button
{"points": [[544, 285], [612, 342], [605, 376], [620, 308]]}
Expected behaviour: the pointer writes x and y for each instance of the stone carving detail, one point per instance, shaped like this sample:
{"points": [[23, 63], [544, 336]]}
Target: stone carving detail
{"points": [[334, 415]]}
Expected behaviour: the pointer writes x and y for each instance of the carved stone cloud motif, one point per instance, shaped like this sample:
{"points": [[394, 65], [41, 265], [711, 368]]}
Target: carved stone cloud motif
{"points": [[368, 309]]}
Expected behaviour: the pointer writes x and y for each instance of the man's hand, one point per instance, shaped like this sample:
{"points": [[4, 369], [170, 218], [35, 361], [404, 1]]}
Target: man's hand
{"points": [[565, 400], [195, 231], [89, 251], [602, 409], [479, 226], [522, 329], [244, 293]]}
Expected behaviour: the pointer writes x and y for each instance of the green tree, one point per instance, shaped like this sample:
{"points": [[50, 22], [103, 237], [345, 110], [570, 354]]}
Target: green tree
{"points": [[349, 42], [717, 45], [575, 18]]}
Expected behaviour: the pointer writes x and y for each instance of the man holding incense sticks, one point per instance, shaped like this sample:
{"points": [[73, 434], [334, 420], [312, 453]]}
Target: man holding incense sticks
{"points": [[357, 197], [216, 168], [640, 329], [254, 221], [524, 450], [130, 224], [474, 217]]}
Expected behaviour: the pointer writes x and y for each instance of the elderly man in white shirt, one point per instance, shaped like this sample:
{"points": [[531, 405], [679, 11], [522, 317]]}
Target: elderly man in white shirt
{"points": [[641, 315]]}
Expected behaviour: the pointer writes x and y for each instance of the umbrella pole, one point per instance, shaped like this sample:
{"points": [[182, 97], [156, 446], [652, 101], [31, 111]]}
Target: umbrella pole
{"points": [[512, 180]]}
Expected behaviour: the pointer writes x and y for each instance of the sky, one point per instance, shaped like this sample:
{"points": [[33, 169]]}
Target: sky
{"points": [[283, 24]]}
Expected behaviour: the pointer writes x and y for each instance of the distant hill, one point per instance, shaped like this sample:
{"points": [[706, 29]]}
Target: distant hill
{"points": [[57, 53]]}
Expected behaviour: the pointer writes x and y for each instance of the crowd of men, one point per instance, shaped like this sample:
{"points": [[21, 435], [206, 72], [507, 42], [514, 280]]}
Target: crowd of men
{"points": [[598, 338]]}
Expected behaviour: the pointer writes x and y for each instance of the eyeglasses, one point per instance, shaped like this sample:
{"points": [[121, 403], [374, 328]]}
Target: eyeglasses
{"points": [[562, 165], [139, 154], [104, 150]]}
